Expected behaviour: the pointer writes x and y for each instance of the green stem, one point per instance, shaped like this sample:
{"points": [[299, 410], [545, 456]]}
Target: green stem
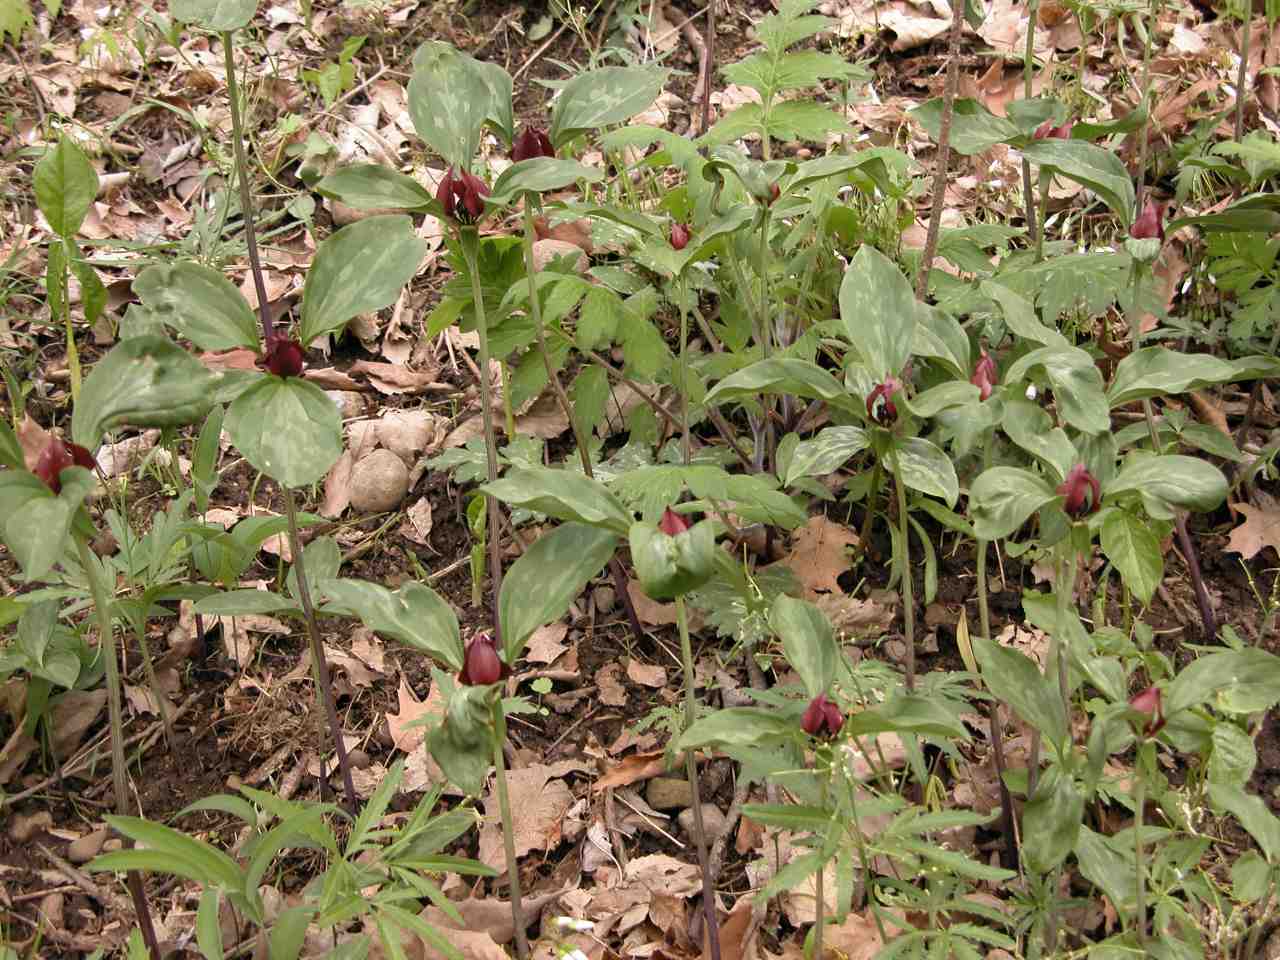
{"points": [[1140, 802], [319, 665], [1064, 589], [508, 837], [877, 477], [908, 591], [1045, 180], [469, 239], [1028, 70], [686, 442], [1243, 76], [820, 897], [691, 771], [1146, 103], [101, 594]]}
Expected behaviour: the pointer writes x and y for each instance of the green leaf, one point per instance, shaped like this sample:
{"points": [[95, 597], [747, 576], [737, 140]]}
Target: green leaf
{"points": [[238, 603], [359, 269], [907, 713], [65, 184], [200, 303], [287, 428], [669, 567], [10, 450], [1233, 681], [1234, 756], [540, 585], [173, 849], [1250, 877], [939, 336], [1104, 868], [1262, 824], [1135, 550], [1076, 381], [562, 494], [538, 175], [1178, 481], [739, 727], [784, 375], [1159, 372], [974, 128], [824, 453], [1091, 166], [956, 863], [450, 98], [146, 382], [216, 16], [289, 932], [943, 396], [879, 311], [15, 16], [1014, 678], [414, 614], [603, 97], [807, 641], [208, 931], [1051, 821], [371, 186], [1003, 498], [1030, 427], [926, 468]]}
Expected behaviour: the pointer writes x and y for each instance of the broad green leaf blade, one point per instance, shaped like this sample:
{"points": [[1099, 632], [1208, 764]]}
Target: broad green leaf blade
{"points": [[670, 567], [359, 269], [1091, 166], [10, 450], [538, 175], [1051, 821], [1158, 372], [1104, 868], [785, 375], [808, 641], [217, 16], [564, 495], [1234, 681], [371, 186], [739, 727], [907, 713], [1175, 480], [414, 614], [146, 381], [200, 303], [214, 866], [1030, 427], [603, 97], [450, 98], [1135, 550], [238, 603], [939, 336], [974, 128], [1014, 678], [926, 468], [1003, 498], [287, 428], [1253, 814], [824, 453], [879, 311], [540, 585], [1077, 384], [34, 523], [65, 184]]}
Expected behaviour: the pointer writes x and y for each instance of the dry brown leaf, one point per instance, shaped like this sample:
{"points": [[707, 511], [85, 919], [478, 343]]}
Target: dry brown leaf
{"points": [[612, 693], [404, 734], [390, 378], [546, 644], [74, 712], [1034, 643], [14, 754], [647, 674], [818, 555], [1261, 528], [650, 611], [488, 915], [632, 769], [538, 805], [418, 522], [853, 618], [408, 433], [546, 419], [910, 29]]}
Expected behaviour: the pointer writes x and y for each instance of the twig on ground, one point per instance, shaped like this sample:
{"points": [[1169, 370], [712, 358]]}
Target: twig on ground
{"points": [[944, 151]]}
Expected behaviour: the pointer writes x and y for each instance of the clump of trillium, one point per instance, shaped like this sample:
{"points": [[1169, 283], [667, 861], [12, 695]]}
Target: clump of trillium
{"points": [[56, 457], [461, 194], [985, 376], [880, 405], [481, 665], [283, 356], [821, 718], [1081, 491]]}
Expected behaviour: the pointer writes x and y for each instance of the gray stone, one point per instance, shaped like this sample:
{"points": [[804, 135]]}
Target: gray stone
{"points": [[713, 820], [605, 598], [668, 793], [379, 482], [86, 848]]}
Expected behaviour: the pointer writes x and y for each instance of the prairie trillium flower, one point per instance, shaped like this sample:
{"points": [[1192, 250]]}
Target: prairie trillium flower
{"points": [[679, 236], [672, 524], [283, 357], [880, 407], [482, 666], [1081, 490], [821, 715], [462, 195], [56, 457], [1047, 131], [1150, 223], [775, 192], [985, 377], [532, 142], [1149, 702]]}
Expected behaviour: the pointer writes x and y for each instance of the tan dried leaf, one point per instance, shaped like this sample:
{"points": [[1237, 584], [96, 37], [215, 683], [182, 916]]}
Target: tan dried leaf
{"points": [[404, 733], [819, 555], [647, 674], [547, 643], [1261, 528]]}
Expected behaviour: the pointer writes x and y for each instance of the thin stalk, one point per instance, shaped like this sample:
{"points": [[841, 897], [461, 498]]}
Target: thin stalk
{"points": [[861, 843], [1243, 75], [686, 441], [469, 239], [1045, 180], [508, 837], [944, 150], [508, 411], [154, 684], [1144, 133], [709, 42], [820, 904], [1140, 893], [1028, 69], [877, 477], [319, 664], [246, 195], [1064, 589], [107, 643], [908, 590], [691, 771]]}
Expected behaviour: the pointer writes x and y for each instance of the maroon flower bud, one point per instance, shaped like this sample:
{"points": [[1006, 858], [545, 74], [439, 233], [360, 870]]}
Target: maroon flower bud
{"points": [[1150, 223], [56, 457], [880, 406], [462, 195], [679, 236], [775, 192], [985, 376], [532, 142], [283, 357], [482, 666], [1149, 702], [672, 524], [820, 715], [1079, 484], [1047, 131]]}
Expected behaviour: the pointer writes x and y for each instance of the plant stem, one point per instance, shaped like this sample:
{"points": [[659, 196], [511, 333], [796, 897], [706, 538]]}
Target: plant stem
{"points": [[691, 771], [469, 238], [686, 442], [944, 151], [1065, 590], [324, 688], [908, 591], [1144, 132], [877, 477], [246, 195], [1028, 69], [709, 42], [1045, 180], [101, 594], [1140, 802], [508, 837], [1243, 75], [820, 896]]}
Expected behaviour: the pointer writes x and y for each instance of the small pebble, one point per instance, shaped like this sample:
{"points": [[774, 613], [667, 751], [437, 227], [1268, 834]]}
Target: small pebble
{"points": [[51, 910], [713, 820], [24, 828], [668, 793], [378, 482], [605, 598], [114, 843], [358, 759], [86, 848]]}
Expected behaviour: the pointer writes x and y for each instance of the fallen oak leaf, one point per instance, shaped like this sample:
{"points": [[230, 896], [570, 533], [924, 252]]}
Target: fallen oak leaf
{"points": [[1261, 528]]}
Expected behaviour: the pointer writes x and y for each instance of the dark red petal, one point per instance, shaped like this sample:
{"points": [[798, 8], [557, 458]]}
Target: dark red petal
{"points": [[815, 716], [481, 666], [679, 236], [672, 524], [53, 459], [444, 192]]}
